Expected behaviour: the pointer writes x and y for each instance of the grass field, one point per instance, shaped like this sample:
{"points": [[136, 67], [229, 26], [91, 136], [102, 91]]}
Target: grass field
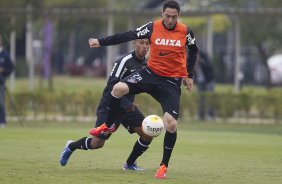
{"points": [[205, 153]]}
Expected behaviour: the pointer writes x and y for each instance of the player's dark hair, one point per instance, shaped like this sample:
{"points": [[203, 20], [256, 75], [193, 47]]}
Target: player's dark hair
{"points": [[171, 4]]}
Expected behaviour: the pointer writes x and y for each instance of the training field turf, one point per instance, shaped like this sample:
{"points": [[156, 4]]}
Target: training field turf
{"points": [[205, 153]]}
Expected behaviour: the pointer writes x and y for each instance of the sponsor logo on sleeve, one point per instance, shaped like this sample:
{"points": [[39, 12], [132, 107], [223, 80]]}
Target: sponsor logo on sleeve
{"points": [[190, 40], [143, 32]]}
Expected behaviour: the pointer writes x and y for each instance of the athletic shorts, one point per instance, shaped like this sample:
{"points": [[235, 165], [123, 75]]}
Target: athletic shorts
{"points": [[165, 90], [129, 120]]}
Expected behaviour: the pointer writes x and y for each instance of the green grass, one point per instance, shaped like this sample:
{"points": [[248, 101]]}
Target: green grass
{"points": [[204, 154]]}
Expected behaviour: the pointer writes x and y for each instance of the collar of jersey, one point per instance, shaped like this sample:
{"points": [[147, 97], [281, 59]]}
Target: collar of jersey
{"points": [[136, 58], [167, 28]]}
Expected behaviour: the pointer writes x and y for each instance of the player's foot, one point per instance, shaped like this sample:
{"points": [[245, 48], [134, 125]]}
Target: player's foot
{"points": [[161, 172], [133, 167], [102, 129], [65, 155]]}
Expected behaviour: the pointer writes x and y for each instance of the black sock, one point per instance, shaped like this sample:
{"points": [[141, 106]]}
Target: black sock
{"points": [[139, 148], [83, 143], [112, 110], [169, 142]]}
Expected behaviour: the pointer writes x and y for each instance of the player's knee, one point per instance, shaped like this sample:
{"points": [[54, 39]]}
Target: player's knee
{"points": [[142, 135], [120, 89], [171, 127], [170, 123], [146, 138], [97, 143]]}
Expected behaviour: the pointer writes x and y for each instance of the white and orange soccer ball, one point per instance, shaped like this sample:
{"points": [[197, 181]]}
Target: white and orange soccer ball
{"points": [[153, 125]]}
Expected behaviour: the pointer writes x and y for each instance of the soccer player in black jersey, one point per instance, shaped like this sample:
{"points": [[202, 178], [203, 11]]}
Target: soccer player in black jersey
{"points": [[129, 115]]}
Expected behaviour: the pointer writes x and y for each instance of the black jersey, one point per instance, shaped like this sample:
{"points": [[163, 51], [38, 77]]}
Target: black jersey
{"points": [[122, 68]]}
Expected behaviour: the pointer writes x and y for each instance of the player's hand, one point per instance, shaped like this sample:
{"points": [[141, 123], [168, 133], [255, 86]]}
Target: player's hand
{"points": [[188, 82], [93, 43]]}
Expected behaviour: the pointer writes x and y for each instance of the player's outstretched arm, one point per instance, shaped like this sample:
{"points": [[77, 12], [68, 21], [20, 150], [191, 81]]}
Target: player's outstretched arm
{"points": [[93, 43], [143, 32]]}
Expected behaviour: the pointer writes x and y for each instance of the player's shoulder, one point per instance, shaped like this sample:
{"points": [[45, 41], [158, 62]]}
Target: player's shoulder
{"points": [[183, 27], [124, 57], [148, 25]]}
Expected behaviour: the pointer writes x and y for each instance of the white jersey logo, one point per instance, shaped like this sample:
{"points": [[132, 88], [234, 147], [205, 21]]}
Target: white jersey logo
{"points": [[191, 41], [168, 42], [143, 32]]}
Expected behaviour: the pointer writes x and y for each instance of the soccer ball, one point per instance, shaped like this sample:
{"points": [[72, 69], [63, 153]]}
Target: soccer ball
{"points": [[153, 125]]}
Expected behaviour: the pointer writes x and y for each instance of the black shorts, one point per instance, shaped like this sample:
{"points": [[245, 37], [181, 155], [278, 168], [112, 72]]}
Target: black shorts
{"points": [[165, 90], [129, 120]]}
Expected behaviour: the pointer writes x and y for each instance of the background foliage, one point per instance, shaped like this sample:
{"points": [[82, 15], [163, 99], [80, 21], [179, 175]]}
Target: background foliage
{"points": [[80, 97]]}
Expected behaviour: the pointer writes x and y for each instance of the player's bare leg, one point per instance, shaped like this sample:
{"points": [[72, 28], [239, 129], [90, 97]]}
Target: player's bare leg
{"points": [[169, 142]]}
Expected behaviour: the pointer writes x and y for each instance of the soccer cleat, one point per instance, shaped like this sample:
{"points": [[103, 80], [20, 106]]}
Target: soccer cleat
{"points": [[102, 129], [65, 155], [161, 172], [132, 167]]}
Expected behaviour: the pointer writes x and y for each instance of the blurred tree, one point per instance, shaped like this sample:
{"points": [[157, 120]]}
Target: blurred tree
{"points": [[74, 3], [9, 22], [20, 3], [263, 32], [221, 23]]}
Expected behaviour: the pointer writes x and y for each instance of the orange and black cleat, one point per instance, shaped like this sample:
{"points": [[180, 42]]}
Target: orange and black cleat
{"points": [[102, 129], [161, 172]]}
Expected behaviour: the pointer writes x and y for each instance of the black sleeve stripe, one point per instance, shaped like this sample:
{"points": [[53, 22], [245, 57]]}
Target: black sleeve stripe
{"points": [[121, 65]]}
